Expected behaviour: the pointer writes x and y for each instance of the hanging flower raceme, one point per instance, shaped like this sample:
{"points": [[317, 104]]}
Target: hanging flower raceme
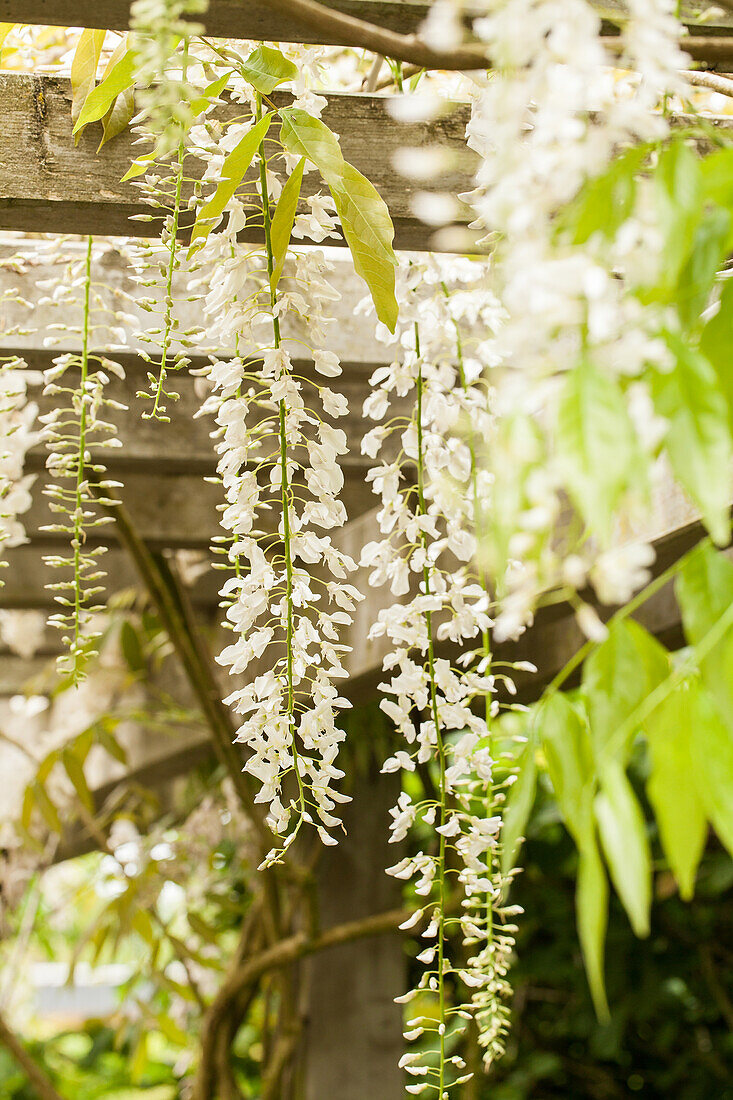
{"points": [[561, 106], [431, 490], [287, 598], [74, 429]]}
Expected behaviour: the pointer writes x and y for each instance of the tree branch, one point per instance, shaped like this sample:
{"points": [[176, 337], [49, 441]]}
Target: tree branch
{"points": [[38, 1079], [721, 84], [411, 49], [368, 36]]}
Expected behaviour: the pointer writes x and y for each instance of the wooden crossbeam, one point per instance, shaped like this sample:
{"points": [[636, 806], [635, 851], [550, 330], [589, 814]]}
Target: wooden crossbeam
{"points": [[254, 19], [50, 185]]}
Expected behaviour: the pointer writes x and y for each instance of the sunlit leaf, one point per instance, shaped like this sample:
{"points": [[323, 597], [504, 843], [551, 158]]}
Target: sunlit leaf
{"points": [[233, 171], [605, 202], [75, 771], [596, 444], [678, 192], [625, 845], [84, 68], [712, 759], [266, 67], [283, 219], [709, 249], [363, 213], [716, 344], [120, 77], [118, 117], [673, 733]]}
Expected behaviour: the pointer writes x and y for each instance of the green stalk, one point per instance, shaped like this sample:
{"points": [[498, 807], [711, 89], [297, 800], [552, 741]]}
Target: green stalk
{"points": [[156, 411], [436, 721], [78, 536], [286, 491]]}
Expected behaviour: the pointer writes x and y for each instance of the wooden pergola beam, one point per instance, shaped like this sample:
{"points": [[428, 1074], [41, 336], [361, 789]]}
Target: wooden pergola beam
{"points": [[50, 185], [255, 19]]}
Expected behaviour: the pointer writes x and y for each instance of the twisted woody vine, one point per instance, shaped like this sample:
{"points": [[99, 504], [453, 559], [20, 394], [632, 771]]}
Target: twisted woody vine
{"points": [[563, 351]]}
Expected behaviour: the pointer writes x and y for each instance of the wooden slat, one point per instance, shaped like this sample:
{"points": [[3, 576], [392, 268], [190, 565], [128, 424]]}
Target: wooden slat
{"points": [[47, 184], [254, 19]]}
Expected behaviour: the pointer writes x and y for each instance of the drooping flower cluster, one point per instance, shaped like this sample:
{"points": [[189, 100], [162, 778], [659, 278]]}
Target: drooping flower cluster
{"points": [[561, 105], [287, 598], [433, 499], [76, 434]]}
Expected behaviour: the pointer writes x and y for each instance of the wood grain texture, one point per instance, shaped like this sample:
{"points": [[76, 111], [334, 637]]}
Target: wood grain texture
{"points": [[47, 184], [254, 19]]}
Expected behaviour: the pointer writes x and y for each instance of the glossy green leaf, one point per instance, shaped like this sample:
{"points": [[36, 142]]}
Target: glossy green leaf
{"points": [[363, 213], [120, 77], [283, 219], [84, 68], [520, 800], [591, 908], [625, 845], [233, 171], [716, 344], [712, 757], [266, 67], [621, 672], [698, 441], [672, 731], [596, 444], [704, 590]]}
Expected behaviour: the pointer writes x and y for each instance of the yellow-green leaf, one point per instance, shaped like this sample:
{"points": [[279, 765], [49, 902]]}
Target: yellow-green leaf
{"points": [[118, 117], [672, 730], [75, 772], [5, 29], [518, 806], [282, 221], [626, 847], [45, 805], [713, 766], [363, 213], [120, 77], [591, 912], [233, 171], [84, 68], [266, 67]]}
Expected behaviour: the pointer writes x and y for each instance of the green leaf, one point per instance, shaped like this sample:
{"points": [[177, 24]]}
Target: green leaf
{"points": [[84, 68], [716, 344], [626, 847], [596, 444], [591, 908], [233, 171], [672, 729], [5, 29], [369, 234], [363, 213], [518, 807], [118, 117], [569, 758], [709, 249], [75, 772], [621, 672], [266, 67], [202, 929], [110, 743], [283, 219], [713, 766], [131, 648], [605, 202], [704, 592], [698, 440], [717, 177], [211, 92], [679, 201], [120, 77]]}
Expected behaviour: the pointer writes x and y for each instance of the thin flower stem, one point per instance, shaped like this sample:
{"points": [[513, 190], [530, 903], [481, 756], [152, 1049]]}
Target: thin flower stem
{"points": [[436, 720], [286, 493], [78, 518]]}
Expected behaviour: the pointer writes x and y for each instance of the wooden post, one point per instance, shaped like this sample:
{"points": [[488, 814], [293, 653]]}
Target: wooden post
{"points": [[353, 1031]]}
